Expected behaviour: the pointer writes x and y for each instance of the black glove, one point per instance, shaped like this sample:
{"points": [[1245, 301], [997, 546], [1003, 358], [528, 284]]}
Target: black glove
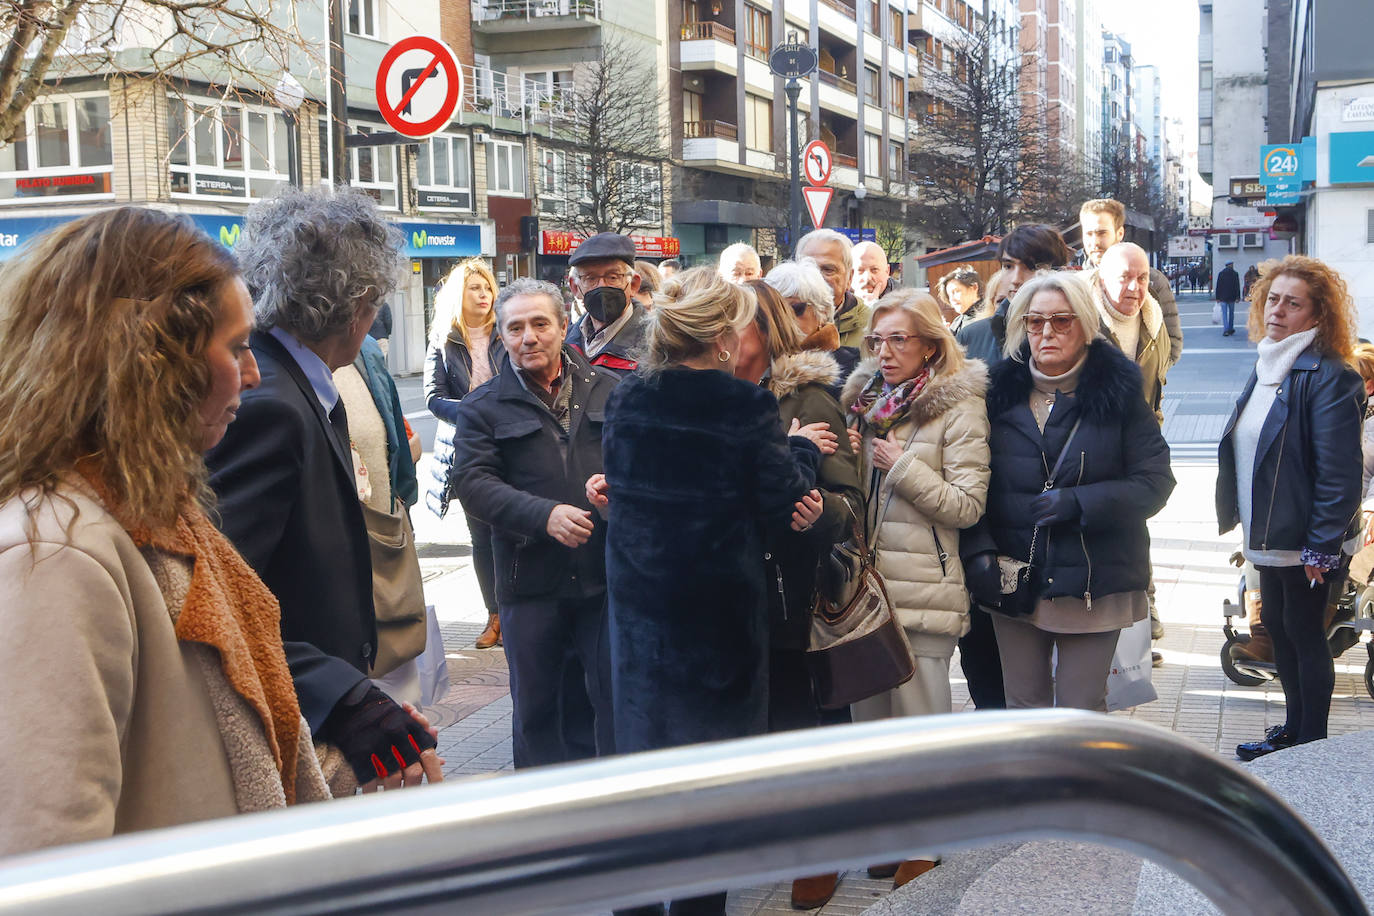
{"points": [[984, 578], [1055, 506], [376, 735]]}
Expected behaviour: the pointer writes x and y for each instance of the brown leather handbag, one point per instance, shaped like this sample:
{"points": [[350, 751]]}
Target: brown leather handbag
{"points": [[858, 649]]}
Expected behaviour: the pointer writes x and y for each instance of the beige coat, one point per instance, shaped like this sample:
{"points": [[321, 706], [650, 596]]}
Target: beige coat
{"points": [[938, 486], [1152, 350], [109, 720]]}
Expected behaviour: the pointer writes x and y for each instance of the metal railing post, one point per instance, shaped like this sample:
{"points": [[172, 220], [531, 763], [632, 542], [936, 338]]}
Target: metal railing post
{"points": [[640, 828]]}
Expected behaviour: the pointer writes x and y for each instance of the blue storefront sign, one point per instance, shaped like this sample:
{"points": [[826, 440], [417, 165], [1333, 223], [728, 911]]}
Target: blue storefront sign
{"points": [[854, 235], [1352, 157], [17, 232], [1280, 163], [1284, 194], [441, 240], [227, 229]]}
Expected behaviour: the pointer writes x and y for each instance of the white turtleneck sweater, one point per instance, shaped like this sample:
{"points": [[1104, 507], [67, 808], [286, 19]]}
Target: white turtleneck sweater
{"points": [[1125, 328], [1276, 358]]}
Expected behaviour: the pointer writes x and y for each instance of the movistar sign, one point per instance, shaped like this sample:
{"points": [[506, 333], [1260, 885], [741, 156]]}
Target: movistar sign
{"points": [[442, 240]]}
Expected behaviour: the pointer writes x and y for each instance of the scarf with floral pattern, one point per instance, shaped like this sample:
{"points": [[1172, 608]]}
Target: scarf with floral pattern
{"points": [[883, 406]]}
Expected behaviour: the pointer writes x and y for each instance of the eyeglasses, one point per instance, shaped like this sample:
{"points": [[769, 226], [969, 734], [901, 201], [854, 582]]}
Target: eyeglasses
{"points": [[1062, 323], [591, 281], [898, 342]]}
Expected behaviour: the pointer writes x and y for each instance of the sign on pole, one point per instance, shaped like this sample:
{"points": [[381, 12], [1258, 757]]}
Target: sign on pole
{"points": [[419, 84], [1280, 163], [817, 202], [792, 59], [817, 163]]}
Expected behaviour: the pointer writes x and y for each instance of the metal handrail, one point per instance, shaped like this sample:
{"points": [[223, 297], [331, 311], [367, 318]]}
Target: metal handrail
{"points": [[640, 828]]}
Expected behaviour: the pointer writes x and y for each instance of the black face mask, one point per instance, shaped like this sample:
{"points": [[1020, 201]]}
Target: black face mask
{"points": [[605, 303]]}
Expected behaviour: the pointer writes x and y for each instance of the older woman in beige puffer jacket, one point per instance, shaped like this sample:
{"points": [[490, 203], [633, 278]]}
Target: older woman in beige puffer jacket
{"points": [[917, 404]]}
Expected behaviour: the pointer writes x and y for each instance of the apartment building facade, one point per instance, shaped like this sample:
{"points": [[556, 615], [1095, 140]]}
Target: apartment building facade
{"points": [[1088, 114]]}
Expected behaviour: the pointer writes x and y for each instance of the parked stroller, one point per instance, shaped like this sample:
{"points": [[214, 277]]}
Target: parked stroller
{"points": [[1248, 659]]}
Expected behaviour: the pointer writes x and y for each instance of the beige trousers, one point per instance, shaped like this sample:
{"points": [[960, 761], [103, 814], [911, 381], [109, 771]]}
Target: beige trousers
{"points": [[1034, 679]]}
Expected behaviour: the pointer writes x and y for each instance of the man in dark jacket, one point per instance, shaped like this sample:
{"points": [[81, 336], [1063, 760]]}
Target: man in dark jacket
{"points": [[1228, 293], [525, 447], [1022, 252], [611, 334]]}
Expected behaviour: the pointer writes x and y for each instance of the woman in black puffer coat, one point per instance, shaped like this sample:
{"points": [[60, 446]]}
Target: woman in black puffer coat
{"points": [[1091, 563], [465, 351]]}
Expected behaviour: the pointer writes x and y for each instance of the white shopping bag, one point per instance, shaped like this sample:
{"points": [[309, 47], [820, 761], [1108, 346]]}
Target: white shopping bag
{"points": [[1216, 313], [1128, 683], [432, 664]]}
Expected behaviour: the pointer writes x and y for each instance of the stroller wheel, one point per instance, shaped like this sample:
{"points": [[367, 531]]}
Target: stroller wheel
{"points": [[1248, 678]]}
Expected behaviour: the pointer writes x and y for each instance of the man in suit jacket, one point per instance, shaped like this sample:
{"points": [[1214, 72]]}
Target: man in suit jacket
{"points": [[525, 447], [284, 471]]}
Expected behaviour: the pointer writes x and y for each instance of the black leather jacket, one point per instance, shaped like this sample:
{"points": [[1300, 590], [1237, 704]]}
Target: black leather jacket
{"points": [[1305, 491], [448, 376]]}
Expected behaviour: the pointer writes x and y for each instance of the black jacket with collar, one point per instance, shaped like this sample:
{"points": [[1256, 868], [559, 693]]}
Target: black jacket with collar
{"points": [[448, 378], [1305, 491], [1117, 467], [288, 501], [983, 339], [624, 351], [513, 464]]}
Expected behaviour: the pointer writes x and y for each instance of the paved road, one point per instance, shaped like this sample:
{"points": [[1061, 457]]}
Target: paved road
{"points": [[1191, 573]]}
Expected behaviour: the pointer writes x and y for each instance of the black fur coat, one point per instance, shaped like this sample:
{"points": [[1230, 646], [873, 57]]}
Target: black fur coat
{"points": [[698, 467]]}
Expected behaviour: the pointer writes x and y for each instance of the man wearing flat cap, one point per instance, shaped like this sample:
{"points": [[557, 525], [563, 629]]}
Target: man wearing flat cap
{"points": [[611, 334]]}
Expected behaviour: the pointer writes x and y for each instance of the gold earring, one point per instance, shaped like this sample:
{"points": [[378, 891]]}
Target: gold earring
{"points": [[723, 356]]}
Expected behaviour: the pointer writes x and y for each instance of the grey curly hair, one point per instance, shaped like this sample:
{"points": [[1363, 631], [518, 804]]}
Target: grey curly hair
{"points": [[314, 259]]}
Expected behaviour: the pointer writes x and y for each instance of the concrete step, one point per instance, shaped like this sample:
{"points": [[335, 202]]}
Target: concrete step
{"points": [[1330, 783]]}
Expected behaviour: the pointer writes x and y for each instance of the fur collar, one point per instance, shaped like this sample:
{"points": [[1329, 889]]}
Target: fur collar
{"points": [[807, 367], [826, 337], [941, 393], [1108, 383]]}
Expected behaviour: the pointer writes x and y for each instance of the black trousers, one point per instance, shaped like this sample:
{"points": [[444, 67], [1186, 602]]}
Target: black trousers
{"points": [[483, 561], [542, 637], [1294, 613], [982, 663]]}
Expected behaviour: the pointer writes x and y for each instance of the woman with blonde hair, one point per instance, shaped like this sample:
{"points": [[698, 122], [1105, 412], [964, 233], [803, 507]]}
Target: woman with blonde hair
{"points": [[698, 467], [465, 351], [916, 405], [143, 660], [1289, 474]]}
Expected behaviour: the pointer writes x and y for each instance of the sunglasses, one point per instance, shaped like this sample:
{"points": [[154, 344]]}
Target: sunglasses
{"points": [[1061, 323]]}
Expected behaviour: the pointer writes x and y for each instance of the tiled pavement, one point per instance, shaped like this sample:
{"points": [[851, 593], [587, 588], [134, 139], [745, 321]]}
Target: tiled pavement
{"points": [[1191, 573]]}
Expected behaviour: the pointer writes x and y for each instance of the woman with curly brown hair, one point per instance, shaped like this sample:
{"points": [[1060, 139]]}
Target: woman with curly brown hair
{"points": [[1289, 475], [142, 667]]}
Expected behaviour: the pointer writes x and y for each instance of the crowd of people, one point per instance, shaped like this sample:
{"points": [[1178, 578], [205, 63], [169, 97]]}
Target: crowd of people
{"points": [[211, 583]]}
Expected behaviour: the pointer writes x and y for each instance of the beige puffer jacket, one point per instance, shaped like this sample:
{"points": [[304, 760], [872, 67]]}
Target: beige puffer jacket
{"points": [[938, 486]]}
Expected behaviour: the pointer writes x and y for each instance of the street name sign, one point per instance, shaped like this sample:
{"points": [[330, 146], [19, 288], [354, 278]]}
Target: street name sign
{"points": [[817, 163], [419, 84], [792, 60]]}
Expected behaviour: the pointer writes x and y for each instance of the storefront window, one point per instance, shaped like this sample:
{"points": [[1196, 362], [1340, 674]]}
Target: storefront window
{"points": [[209, 159], [374, 169], [62, 150], [443, 169]]}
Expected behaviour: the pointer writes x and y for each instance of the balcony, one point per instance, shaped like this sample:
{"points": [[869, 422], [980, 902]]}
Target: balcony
{"points": [[488, 95], [707, 130], [497, 16], [843, 161], [708, 31], [841, 6], [839, 82]]}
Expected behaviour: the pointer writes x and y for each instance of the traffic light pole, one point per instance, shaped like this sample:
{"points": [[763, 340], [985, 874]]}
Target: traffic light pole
{"points": [[793, 89]]}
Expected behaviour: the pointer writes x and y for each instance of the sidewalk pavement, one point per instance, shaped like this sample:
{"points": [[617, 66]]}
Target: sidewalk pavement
{"points": [[1192, 577]]}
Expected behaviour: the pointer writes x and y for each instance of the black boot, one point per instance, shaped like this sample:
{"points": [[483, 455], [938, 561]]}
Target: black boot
{"points": [[1275, 739]]}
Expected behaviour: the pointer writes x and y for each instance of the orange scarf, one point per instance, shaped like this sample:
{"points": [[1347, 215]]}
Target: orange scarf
{"points": [[230, 609]]}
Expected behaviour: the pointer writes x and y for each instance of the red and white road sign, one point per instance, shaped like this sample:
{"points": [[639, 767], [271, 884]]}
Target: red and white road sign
{"points": [[816, 163], [419, 84], [817, 202]]}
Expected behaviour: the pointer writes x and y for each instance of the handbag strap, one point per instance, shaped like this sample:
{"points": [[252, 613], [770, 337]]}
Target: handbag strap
{"points": [[1049, 485]]}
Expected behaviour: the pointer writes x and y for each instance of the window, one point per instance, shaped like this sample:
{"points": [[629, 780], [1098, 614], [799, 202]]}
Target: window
{"points": [[374, 169], [875, 10], [644, 182], [362, 18], [896, 160], [872, 87], [62, 149], [226, 151], [758, 123], [896, 34], [757, 32], [443, 173], [691, 107], [552, 196], [506, 169], [896, 93], [873, 156], [546, 90]]}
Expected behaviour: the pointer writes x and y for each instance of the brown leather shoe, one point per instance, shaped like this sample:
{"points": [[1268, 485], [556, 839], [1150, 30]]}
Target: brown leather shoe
{"points": [[813, 892], [491, 636], [911, 869], [884, 871], [1259, 648]]}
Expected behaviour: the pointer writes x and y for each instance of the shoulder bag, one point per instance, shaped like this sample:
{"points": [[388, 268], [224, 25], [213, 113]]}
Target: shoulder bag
{"points": [[858, 649], [1020, 593]]}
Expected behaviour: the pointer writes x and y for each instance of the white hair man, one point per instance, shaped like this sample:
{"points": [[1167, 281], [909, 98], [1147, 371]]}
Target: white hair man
{"points": [[739, 263], [834, 255], [872, 273]]}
